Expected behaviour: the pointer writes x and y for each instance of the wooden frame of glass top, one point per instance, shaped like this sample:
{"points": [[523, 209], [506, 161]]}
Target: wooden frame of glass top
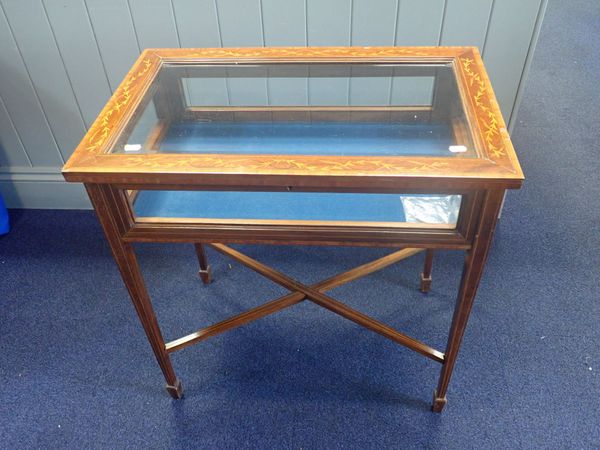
{"points": [[112, 180]]}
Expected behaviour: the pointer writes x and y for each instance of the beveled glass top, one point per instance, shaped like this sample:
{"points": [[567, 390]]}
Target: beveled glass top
{"points": [[341, 109]]}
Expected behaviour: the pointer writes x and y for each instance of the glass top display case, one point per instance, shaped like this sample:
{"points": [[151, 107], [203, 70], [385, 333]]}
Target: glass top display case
{"points": [[373, 146], [298, 109], [255, 114]]}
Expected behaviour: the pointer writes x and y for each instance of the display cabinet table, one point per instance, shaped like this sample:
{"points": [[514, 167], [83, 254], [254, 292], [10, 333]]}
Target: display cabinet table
{"points": [[400, 147]]}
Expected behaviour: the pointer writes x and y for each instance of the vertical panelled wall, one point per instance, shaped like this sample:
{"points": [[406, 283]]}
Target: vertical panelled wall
{"points": [[61, 59]]}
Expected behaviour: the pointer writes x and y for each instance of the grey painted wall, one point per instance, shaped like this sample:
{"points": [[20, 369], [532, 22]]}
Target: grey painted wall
{"points": [[60, 60]]}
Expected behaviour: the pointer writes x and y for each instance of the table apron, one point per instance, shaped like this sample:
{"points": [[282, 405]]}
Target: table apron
{"points": [[295, 235]]}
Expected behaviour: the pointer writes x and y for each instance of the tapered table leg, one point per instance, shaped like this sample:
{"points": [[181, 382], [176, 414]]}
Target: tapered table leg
{"points": [[204, 272], [109, 208], [474, 263], [426, 274]]}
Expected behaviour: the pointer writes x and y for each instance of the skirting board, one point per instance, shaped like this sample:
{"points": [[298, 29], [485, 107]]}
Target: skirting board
{"points": [[41, 188]]}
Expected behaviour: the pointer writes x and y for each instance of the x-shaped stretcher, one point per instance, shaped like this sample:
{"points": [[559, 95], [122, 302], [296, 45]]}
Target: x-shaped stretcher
{"points": [[314, 293]]}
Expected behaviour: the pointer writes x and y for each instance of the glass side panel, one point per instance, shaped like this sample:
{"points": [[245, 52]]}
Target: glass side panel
{"points": [[394, 209], [318, 109]]}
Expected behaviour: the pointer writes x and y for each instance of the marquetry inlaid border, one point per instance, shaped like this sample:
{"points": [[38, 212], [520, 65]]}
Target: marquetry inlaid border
{"points": [[299, 52], [129, 90], [490, 124], [498, 160]]}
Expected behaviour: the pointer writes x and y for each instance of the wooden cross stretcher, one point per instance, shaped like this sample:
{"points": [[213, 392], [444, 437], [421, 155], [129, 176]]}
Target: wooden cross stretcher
{"points": [[300, 292]]}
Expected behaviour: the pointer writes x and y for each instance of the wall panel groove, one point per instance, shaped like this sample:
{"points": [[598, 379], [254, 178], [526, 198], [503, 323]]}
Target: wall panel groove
{"points": [[137, 40], [89, 21], [12, 150], [511, 120], [60, 60], [22, 101], [441, 32], [487, 28], [116, 39], [41, 56], [175, 21]]}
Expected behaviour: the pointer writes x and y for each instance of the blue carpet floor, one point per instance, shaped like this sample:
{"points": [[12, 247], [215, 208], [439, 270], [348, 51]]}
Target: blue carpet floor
{"points": [[76, 370]]}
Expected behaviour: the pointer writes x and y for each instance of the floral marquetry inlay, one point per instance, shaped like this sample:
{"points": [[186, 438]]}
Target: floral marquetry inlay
{"points": [[280, 164], [93, 162], [486, 116], [312, 52], [312, 165], [104, 125]]}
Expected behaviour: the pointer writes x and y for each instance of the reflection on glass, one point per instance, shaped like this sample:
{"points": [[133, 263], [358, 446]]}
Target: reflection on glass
{"points": [[319, 109]]}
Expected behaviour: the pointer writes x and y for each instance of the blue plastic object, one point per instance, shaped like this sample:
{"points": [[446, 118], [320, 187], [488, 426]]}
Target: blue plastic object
{"points": [[4, 224]]}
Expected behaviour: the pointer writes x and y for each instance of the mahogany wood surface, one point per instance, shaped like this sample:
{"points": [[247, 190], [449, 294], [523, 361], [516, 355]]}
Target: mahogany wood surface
{"points": [[496, 165], [204, 272], [331, 304], [473, 269], [112, 181], [111, 220], [426, 274], [289, 300]]}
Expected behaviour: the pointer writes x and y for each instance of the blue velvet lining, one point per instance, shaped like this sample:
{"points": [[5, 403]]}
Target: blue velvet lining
{"points": [[270, 205], [326, 138], [309, 138]]}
